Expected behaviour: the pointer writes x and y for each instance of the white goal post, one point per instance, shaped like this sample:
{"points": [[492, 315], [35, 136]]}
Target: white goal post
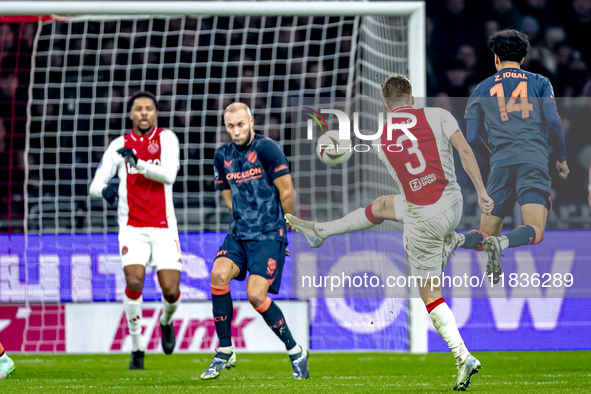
{"points": [[416, 58]]}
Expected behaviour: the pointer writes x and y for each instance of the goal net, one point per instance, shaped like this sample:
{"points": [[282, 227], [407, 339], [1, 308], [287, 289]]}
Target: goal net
{"points": [[84, 69]]}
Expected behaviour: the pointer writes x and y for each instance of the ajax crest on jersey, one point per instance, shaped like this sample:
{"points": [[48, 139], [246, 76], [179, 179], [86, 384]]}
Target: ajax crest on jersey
{"points": [[331, 150]]}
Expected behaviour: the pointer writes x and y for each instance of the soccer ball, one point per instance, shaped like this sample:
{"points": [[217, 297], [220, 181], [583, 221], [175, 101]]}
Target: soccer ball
{"points": [[333, 151]]}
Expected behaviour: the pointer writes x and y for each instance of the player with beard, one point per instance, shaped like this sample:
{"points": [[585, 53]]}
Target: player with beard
{"points": [[253, 175], [147, 161]]}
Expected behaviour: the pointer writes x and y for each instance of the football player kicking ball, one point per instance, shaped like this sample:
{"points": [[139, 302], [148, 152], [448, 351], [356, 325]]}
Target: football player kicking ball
{"points": [[430, 205], [518, 145], [6, 364], [253, 174], [146, 161]]}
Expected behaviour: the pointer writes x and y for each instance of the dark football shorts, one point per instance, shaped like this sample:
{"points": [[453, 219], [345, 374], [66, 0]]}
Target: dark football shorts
{"points": [[263, 258], [506, 185]]}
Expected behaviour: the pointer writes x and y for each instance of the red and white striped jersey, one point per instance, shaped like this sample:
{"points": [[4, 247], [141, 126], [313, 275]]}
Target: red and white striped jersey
{"points": [[145, 192], [424, 169]]}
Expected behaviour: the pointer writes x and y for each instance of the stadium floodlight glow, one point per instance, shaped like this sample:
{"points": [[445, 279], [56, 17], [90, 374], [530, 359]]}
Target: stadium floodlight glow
{"points": [[88, 60]]}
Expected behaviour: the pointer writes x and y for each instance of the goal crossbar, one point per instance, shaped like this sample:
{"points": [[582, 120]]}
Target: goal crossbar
{"points": [[219, 8]]}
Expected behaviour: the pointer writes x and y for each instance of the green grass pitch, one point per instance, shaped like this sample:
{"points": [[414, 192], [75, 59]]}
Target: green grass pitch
{"points": [[506, 372]]}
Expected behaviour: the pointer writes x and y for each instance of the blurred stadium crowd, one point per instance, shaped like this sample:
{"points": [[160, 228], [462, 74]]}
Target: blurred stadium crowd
{"points": [[457, 54]]}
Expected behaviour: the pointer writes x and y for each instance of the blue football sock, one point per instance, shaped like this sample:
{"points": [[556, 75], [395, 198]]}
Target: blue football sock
{"points": [[473, 240], [223, 313], [523, 235], [274, 319]]}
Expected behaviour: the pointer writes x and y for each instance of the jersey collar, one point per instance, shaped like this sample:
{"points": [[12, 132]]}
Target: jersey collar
{"points": [[135, 136], [401, 108]]}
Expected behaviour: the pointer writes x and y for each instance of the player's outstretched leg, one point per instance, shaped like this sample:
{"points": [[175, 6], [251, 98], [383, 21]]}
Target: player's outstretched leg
{"points": [[445, 324], [469, 240], [315, 233], [6, 364], [307, 229], [223, 313], [275, 320]]}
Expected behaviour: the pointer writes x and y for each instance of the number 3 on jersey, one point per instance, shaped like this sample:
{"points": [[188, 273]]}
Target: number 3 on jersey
{"points": [[512, 106], [414, 149]]}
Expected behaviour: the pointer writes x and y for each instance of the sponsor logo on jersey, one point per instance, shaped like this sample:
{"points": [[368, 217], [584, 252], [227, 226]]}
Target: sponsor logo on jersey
{"points": [[245, 175], [133, 171], [124, 250], [252, 157], [228, 163], [417, 184], [281, 167], [153, 147]]}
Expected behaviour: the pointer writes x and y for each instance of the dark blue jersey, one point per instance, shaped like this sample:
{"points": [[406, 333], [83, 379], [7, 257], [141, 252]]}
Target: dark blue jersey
{"points": [[517, 109], [249, 171]]}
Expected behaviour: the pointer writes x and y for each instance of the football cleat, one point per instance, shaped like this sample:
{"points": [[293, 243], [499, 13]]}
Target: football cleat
{"points": [[220, 361], [492, 247], [299, 364], [137, 360], [168, 338], [469, 367], [450, 244], [6, 366], [307, 229]]}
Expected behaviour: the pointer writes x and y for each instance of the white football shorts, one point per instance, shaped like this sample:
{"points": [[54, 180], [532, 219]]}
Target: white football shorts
{"points": [[423, 241], [158, 248]]}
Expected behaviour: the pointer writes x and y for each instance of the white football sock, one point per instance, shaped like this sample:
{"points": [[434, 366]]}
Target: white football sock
{"points": [[354, 221], [294, 350], [168, 310], [227, 350], [461, 239], [133, 312], [445, 324]]}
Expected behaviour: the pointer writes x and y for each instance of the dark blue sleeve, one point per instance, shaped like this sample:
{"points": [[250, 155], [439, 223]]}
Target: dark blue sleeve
{"points": [[547, 92], [473, 109], [477, 138], [273, 159], [555, 129], [219, 172]]}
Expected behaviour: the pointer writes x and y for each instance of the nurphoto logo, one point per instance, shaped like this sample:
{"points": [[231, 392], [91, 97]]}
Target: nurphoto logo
{"points": [[344, 131]]}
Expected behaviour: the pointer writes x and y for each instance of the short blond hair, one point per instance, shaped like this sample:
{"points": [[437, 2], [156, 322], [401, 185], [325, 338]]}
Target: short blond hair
{"points": [[237, 106], [396, 89]]}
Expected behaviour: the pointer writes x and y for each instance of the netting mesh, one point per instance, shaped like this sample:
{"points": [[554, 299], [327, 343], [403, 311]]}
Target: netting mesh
{"points": [[84, 71]]}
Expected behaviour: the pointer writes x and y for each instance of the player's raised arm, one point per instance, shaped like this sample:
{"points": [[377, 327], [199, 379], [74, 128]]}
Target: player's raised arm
{"points": [[105, 172], [167, 171]]}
